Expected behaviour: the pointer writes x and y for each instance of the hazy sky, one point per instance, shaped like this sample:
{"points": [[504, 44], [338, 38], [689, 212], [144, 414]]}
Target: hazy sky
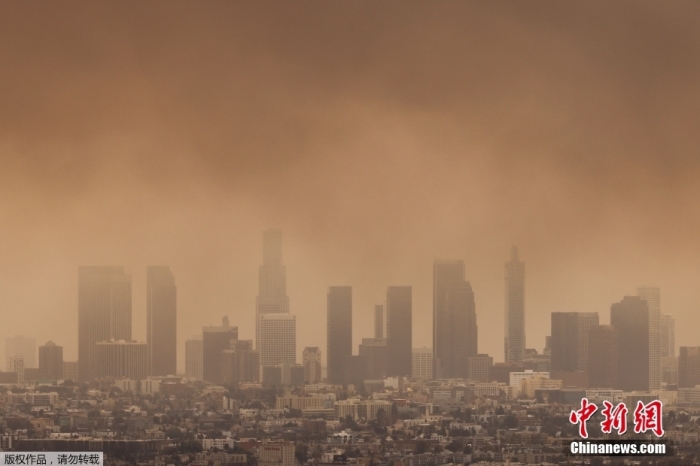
{"points": [[378, 135]]}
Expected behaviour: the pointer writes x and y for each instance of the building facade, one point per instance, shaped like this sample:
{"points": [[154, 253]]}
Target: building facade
{"points": [[422, 363], [570, 340], [194, 358], [446, 273], [51, 361], [652, 296], [161, 321], [215, 339], [278, 344], [688, 366], [603, 357], [122, 359], [514, 309], [399, 330], [630, 317], [272, 281], [312, 359], [339, 331]]}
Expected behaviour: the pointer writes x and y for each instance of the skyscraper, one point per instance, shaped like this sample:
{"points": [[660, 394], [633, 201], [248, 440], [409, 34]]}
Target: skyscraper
{"points": [[339, 331], [399, 330], [445, 274], [215, 339], [194, 358], [104, 313], [570, 340], [668, 336], [374, 351], [422, 363], [51, 361], [312, 365], [652, 296], [161, 321], [689, 367], [461, 330], [515, 309], [240, 363], [278, 343], [272, 292], [630, 317], [20, 346], [378, 321], [122, 359], [603, 357]]}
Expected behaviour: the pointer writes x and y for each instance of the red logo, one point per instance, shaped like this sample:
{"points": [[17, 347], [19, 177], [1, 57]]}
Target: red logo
{"points": [[582, 415], [647, 417]]}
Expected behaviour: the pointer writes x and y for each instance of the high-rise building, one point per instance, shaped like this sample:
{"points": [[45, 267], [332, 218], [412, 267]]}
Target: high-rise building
{"points": [[399, 330], [122, 359], [515, 309], [445, 274], [668, 336], [17, 366], [688, 366], [422, 363], [570, 340], [161, 321], [378, 321], [461, 332], [312, 365], [272, 292], [194, 358], [339, 331], [374, 350], [215, 339], [104, 313], [278, 343], [652, 296], [603, 357], [479, 368], [51, 361], [20, 346], [240, 363], [630, 317], [70, 370]]}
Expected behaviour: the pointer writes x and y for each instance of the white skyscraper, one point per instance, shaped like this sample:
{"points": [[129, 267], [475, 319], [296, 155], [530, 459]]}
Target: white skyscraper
{"points": [[194, 358], [422, 363], [278, 340], [652, 296]]}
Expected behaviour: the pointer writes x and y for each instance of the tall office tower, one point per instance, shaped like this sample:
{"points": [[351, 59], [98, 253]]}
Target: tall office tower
{"points": [[215, 339], [630, 317], [339, 331], [479, 368], [194, 358], [603, 357], [20, 346], [422, 363], [668, 336], [570, 340], [378, 321], [374, 350], [240, 363], [399, 330], [278, 341], [272, 291], [122, 359], [515, 309], [445, 274], [104, 313], [161, 321], [70, 370], [652, 296], [51, 361], [461, 332], [689, 367], [17, 365], [312, 365]]}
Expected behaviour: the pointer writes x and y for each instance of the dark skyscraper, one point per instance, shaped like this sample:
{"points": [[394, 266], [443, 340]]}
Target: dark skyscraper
{"points": [[272, 292], [161, 321], [515, 309], [378, 321], [688, 367], [445, 274], [104, 313], [603, 357], [51, 361], [399, 330], [216, 339], [339, 331], [569, 340], [461, 330], [630, 317]]}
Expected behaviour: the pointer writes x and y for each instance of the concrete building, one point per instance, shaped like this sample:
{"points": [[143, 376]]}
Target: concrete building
{"points": [[479, 368], [278, 344], [272, 281], [603, 357], [312, 365], [514, 309], [17, 366], [652, 296], [276, 453], [240, 363], [194, 358], [446, 273], [374, 350], [119, 358], [378, 321], [104, 313], [399, 330], [161, 321], [569, 340], [339, 331], [422, 363], [630, 317], [215, 339], [70, 370], [51, 361], [689, 366]]}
